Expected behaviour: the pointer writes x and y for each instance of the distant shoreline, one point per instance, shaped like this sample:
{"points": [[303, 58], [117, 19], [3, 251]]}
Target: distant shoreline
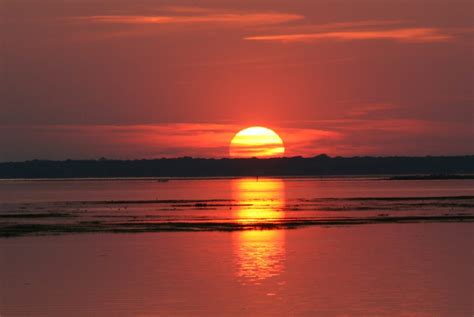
{"points": [[432, 177], [270, 177], [393, 168]]}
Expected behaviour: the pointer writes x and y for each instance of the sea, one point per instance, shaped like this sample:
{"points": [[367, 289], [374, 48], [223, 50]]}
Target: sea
{"points": [[336, 246]]}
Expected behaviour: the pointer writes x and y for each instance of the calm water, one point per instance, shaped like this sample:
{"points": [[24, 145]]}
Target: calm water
{"points": [[12, 191], [368, 270], [418, 261], [56, 207]]}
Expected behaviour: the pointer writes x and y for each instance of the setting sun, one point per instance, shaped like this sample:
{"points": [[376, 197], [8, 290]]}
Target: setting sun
{"points": [[256, 142]]}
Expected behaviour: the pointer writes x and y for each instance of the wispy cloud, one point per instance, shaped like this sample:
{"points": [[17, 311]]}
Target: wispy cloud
{"points": [[407, 35], [360, 25], [283, 27], [195, 15], [176, 18], [345, 136], [143, 141]]}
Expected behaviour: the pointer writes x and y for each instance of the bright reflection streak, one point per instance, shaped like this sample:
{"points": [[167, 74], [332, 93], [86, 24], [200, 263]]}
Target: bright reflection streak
{"points": [[260, 201], [260, 254]]}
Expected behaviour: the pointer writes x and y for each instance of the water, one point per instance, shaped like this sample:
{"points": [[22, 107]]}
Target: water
{"points": [[368, 270], [57, 207], [148, 189], [357, 247]]}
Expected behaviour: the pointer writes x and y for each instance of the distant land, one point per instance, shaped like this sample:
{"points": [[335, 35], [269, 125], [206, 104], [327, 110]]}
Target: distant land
{"points": [[321, 165]]}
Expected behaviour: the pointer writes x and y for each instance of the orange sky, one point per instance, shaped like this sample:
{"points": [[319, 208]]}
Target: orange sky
{"points": [[133, 79]]}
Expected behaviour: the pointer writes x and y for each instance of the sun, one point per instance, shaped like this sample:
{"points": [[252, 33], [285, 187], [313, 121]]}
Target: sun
{"points": [[256, 142]]}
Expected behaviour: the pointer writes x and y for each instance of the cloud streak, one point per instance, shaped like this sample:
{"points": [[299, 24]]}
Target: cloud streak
{"points": [[142, 141], [196, 16], [279, 24], [349, 136], [405, 35]]}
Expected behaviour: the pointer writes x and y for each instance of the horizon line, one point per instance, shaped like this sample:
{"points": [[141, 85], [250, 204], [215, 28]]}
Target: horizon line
{"points": [[323, 155]]}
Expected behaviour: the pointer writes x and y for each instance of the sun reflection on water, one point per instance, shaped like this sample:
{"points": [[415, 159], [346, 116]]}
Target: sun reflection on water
{"points": [[259, 254]]}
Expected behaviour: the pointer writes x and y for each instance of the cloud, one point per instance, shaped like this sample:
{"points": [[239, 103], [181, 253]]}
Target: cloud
{"points": [[406, 35], [309, 142], [139, 141], [345, 136], [195, 15], [361, 25], [117, 141]]}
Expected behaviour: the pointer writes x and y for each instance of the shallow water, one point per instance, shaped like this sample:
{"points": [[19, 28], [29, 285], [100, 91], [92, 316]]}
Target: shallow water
{"points": [[359, 247], [72, 206], [368, 270], [29, 191]]}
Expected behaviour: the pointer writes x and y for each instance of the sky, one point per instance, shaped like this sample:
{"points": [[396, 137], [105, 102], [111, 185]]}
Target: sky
{"points": [[84, 79]]}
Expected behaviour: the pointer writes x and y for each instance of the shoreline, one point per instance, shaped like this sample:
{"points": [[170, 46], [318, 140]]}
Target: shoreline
{"points": [[383, 177]]}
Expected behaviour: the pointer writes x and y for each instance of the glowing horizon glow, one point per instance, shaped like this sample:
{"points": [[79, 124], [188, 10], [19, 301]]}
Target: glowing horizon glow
{"points": [[256, 142]]}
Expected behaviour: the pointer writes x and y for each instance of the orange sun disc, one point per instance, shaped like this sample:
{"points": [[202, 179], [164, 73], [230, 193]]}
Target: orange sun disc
{"points": [[256, 142]]}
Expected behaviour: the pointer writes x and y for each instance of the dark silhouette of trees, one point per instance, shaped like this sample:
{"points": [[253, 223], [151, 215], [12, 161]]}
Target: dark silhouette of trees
{"points": [[321, 165]]}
